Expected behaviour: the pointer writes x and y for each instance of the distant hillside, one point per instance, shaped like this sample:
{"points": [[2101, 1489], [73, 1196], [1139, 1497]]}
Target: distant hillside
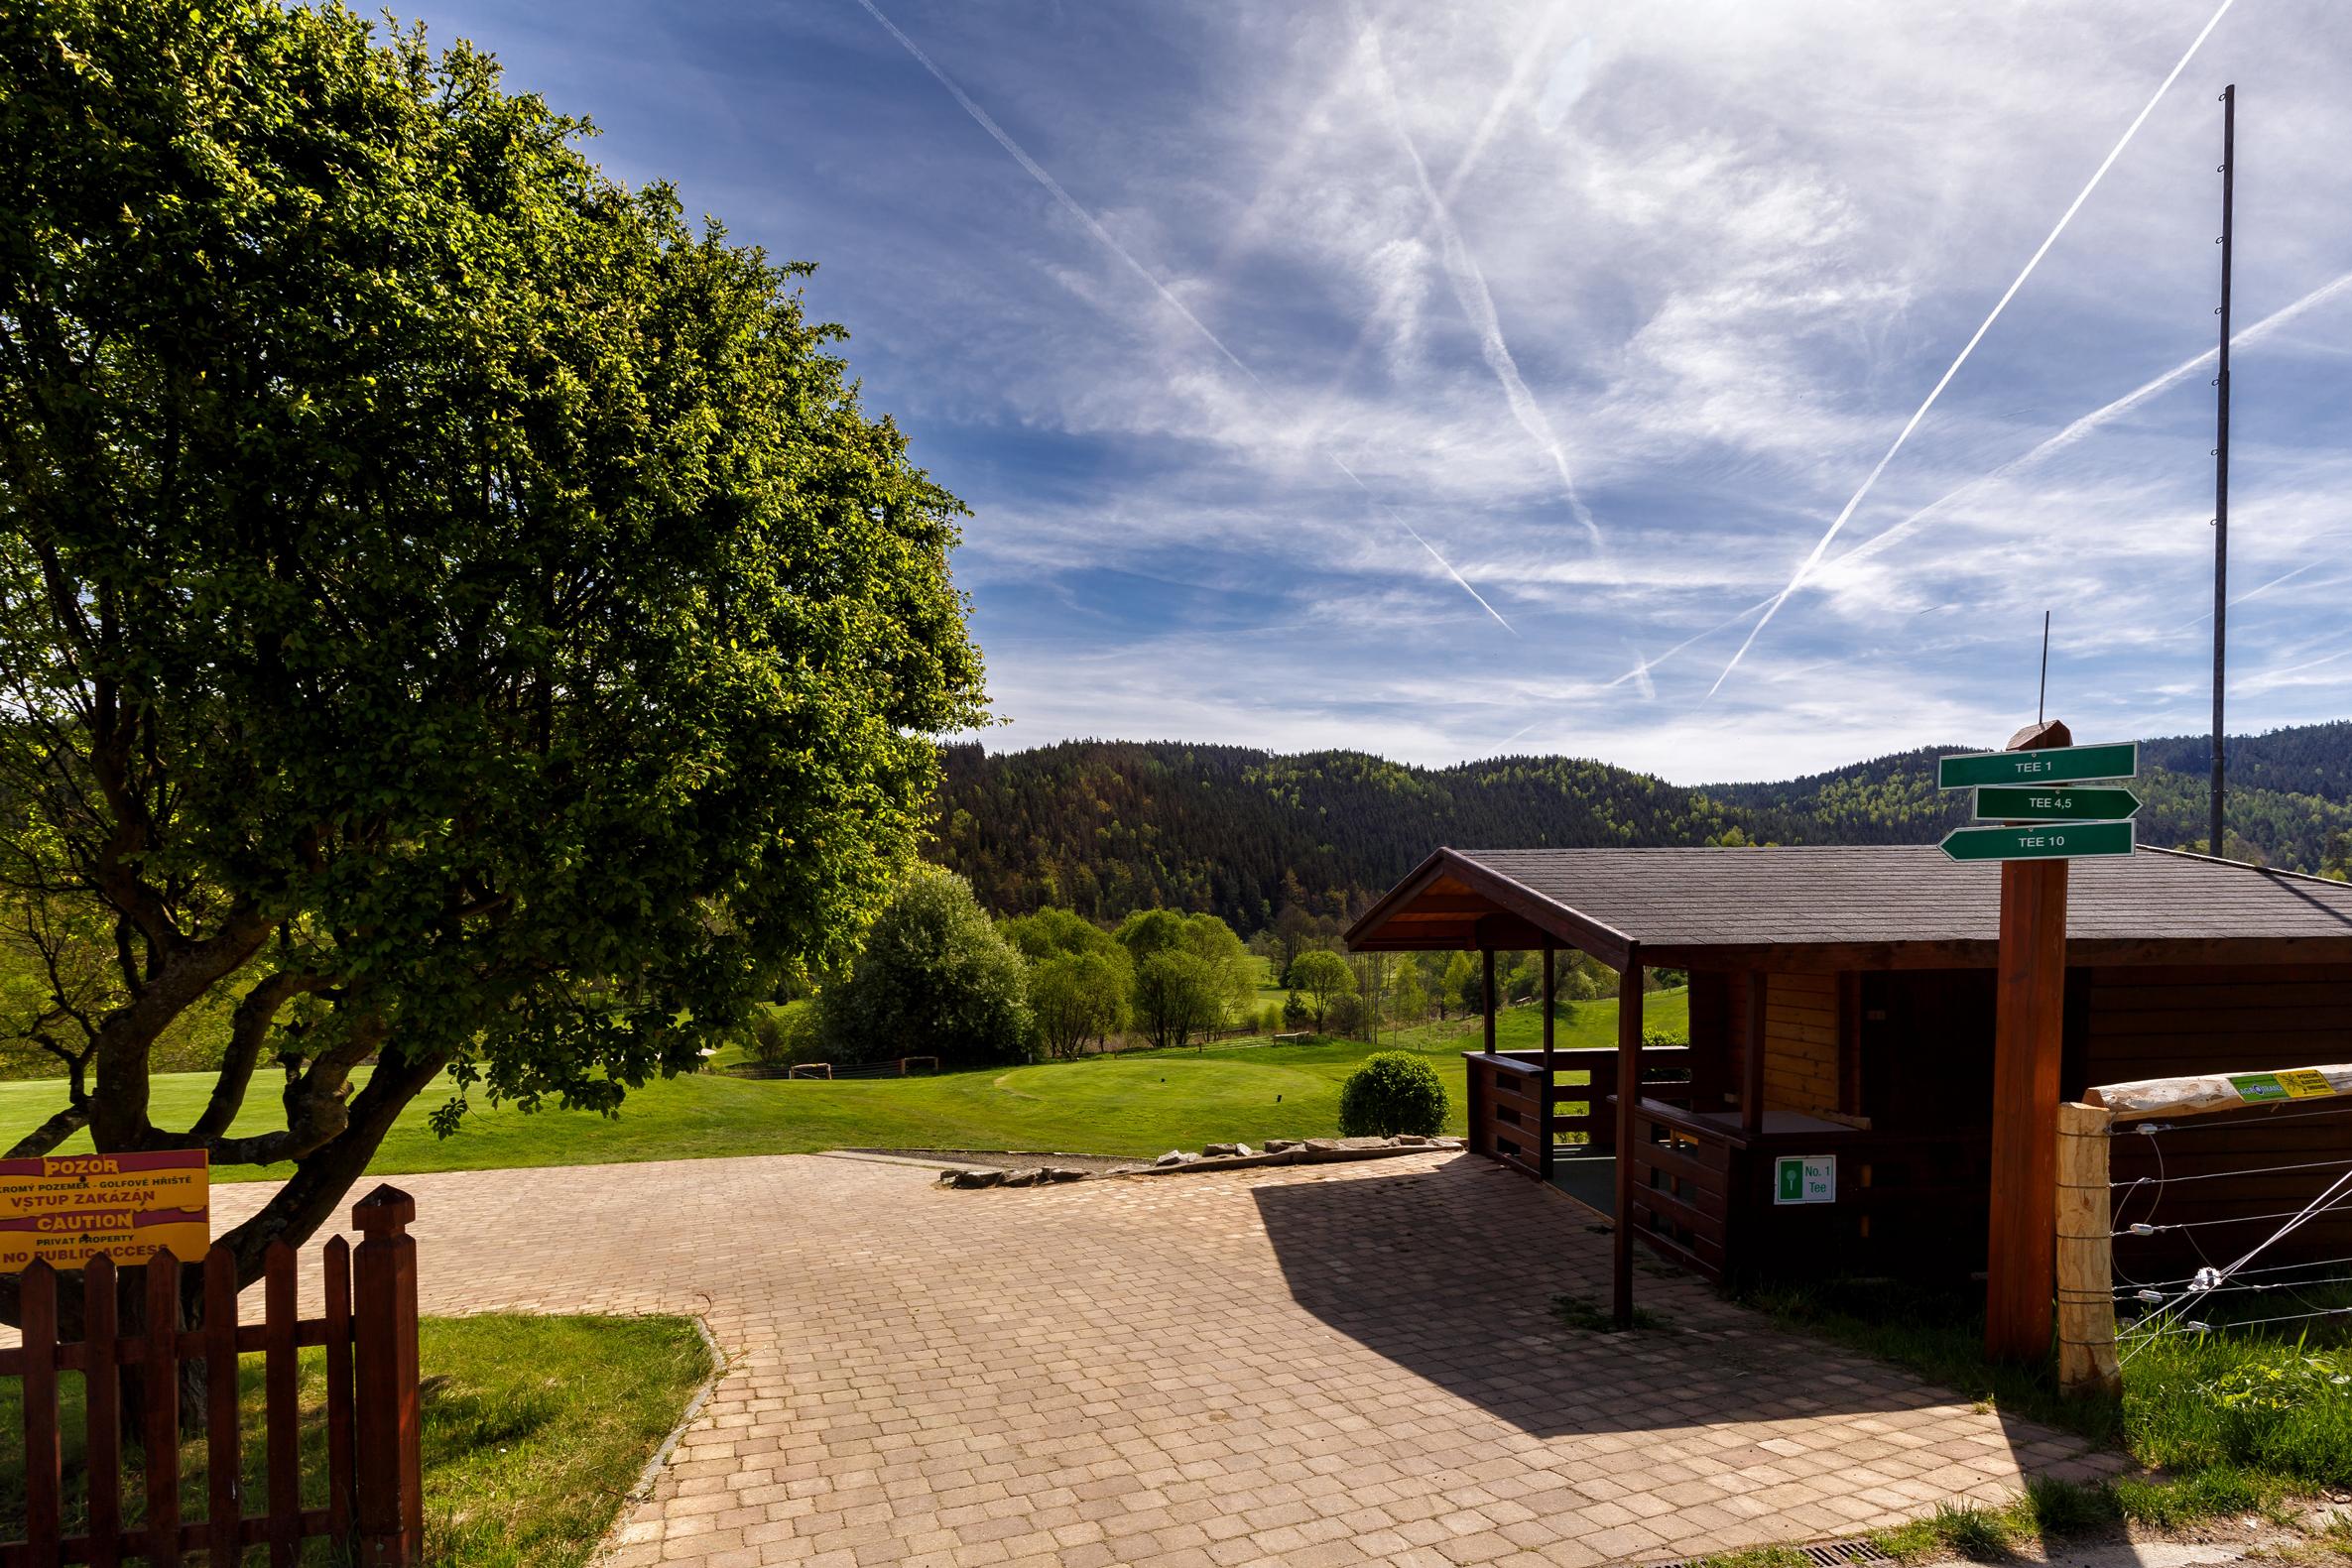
{"points": [[1108, 826]]}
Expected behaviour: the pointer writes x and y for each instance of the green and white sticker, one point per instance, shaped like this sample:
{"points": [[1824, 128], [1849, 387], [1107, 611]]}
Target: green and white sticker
{"points": [[1805, 1178]]}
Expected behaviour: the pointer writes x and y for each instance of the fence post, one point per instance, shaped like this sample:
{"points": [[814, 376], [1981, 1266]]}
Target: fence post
{"points": [[2085, 1255], [384, 1356]]}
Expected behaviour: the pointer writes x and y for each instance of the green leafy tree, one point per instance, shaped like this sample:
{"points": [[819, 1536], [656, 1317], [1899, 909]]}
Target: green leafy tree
{"points": [[1051, 931], [448, 605], [1177, 995], [1230, 972], [1409, 996], [1464, 983], [1319, 978], [1078, 997], [934, 979]]}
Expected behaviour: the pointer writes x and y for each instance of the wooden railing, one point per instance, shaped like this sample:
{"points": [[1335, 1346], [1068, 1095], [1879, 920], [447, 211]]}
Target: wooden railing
{"points": [[1908, 1202], [374, 1500], [1522, 1117]]}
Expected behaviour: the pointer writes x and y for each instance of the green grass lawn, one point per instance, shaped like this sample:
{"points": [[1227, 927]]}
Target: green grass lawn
{"points": [[1136, 1105], [534, 1430]]}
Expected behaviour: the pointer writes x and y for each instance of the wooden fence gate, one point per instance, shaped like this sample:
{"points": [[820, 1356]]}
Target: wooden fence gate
{"points": [[374, 1501]]}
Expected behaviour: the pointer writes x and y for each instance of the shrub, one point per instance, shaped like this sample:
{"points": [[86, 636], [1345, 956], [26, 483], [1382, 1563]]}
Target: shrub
{"points": [[1295, 1015], [1392, 1091]]}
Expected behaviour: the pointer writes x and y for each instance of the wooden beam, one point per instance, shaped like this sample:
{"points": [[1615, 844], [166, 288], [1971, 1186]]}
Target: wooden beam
{"points": [[2194, 1096], [1629, 1097], [1544, 1149], [2029, 1038], [1752, 1062], [1486, 993]]}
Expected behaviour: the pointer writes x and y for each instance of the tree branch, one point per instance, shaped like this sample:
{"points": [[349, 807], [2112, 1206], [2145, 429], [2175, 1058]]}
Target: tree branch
{"points": [[249, 1028], [50, 1134]]}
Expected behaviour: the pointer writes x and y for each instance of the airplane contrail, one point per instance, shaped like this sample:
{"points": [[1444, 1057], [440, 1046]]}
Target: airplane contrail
{"points": [[2104, 415], [1478, 301], [1529, 55], [1968, 348], [1037, 171]]}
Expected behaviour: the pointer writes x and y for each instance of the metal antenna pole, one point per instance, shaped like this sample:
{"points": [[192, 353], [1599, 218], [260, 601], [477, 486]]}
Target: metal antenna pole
{"points": [[2042, 699], [2221, 461]]}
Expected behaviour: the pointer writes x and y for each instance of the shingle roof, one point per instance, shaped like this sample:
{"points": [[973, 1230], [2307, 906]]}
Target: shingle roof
{"points": [[1904, 893]]}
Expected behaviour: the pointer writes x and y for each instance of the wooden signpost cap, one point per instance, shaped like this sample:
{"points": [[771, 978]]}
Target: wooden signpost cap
{"points": [[2040, 737], [387, 1210]]}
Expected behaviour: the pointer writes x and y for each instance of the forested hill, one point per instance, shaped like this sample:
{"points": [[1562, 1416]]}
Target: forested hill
{"points": [[1109, 827]]}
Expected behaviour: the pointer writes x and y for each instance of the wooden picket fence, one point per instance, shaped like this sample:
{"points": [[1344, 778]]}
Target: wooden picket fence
{"points": [[374, 1498]]}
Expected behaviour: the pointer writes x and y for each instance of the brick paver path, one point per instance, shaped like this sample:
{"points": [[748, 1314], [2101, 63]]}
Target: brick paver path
{"points": [[1304, 1366]]}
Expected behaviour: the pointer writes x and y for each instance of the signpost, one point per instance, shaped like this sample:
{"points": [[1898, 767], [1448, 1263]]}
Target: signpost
{"points": [[2044, 824], [2055, 803], [2038, 841], [65, 1209], [2047, 766]]}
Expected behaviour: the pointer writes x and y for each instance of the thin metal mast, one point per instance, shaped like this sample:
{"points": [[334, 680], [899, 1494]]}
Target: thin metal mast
{"points": [[2221, 461]]}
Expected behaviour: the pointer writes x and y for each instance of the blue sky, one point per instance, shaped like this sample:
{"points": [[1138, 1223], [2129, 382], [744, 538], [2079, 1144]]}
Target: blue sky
{"points": [[1448, 381]]}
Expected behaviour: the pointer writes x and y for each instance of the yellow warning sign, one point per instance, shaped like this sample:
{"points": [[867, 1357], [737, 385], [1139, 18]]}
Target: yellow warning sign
{"points": [[66, 1209], [2305, 1083]]}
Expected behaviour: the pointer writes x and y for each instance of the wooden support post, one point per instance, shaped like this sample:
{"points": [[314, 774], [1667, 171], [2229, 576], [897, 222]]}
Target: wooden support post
{"points": [[1629, 1096], [384, 1363], [2029, 1039], [2085, 1255], [1752, 1062], [1486, 993], [1544, 1149]]}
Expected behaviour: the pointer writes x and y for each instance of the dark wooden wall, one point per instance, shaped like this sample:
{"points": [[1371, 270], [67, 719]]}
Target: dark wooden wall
{"points": [[2170, 1023]]}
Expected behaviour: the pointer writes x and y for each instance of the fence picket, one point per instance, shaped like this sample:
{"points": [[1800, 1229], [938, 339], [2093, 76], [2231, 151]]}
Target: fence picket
{"points": [[280, 1412], [160, 1353], [339, 1387], [42, 1478], [101, 1387], [224, 1453]]}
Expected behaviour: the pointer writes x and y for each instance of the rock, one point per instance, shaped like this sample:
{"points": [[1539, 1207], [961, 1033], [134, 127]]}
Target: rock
{"points": [[1028, 1177], [1410, 1141], [1174, 1156], [1322, 1146], [1445, 1143], [1223, 1151], [1064, 1174], [1282, 1146], [979, 1177]]}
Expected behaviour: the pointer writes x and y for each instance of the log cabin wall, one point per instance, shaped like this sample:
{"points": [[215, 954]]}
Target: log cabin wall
{"points": [[2180, 1019], [1802, 1071]]}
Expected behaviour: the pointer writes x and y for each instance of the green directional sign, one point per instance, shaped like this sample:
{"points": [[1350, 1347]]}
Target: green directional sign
{"points": [[2041, 842], [2056, 765], [2057, 803]]}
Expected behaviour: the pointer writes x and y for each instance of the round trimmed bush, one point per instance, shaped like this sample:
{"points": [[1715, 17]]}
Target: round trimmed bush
{"points": [[1392, 1091]]}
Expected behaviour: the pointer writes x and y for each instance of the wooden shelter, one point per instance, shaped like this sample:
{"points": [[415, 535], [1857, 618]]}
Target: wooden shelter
{"points": [[1834, 1106]]}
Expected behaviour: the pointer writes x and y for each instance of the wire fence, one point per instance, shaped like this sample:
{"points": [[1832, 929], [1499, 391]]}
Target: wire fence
{"points": [[2281, 1263]]}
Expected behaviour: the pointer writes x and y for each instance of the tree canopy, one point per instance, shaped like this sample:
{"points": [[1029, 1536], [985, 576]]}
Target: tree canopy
{"points": [[448, 604], [934, 979]]}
